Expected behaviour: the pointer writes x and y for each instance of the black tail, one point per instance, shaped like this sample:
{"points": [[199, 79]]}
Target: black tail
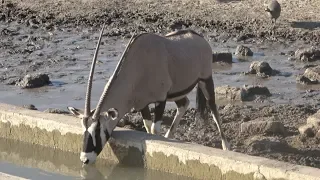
{"points": [[201, 103]]}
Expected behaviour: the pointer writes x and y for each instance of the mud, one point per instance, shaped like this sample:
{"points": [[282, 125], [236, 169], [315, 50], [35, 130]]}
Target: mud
{"points": [[58, 38]]}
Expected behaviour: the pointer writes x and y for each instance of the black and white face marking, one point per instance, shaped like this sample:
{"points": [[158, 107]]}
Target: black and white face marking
{"points": [[95, 133], [94, 138]]}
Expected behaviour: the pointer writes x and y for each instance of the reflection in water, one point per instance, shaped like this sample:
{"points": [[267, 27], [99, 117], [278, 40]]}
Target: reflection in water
{"points": [[38, 162]]}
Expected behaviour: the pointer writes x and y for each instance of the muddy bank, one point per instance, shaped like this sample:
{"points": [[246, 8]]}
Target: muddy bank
{"points": [[281, 141], [220, 20]]}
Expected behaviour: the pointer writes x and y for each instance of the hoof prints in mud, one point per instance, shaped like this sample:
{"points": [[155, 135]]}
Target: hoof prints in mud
{"points": [[279, 139]]}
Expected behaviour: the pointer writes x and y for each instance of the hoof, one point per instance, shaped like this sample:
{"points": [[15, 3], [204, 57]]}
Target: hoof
{"points": [[226, 146]]}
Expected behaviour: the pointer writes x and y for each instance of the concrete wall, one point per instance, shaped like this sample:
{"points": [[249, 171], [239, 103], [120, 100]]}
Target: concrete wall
{"points": [[140, 149], [4, 176]]}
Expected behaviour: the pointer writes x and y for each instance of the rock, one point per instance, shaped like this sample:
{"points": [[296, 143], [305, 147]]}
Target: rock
{"points": [[307, 54], [13, 81], [34, 80], [304, 80], [249, 92], [262, 126], [227, 92], [307, 130], [222, 57], [243, 51], [30, 106], [260, 67], [266, 144], [318, 134], [246, 93], [314, 120], [310, 76], [124, 121], [56, 111]]}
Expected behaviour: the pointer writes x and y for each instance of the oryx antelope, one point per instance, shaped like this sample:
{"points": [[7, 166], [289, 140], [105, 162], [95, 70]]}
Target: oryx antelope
{"points": [[152, 69]]}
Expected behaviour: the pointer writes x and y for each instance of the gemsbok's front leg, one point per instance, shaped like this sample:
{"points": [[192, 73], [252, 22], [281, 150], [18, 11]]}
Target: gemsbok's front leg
{"points": [[182, 105], [207, 87], [146, 115], [158, 115]]}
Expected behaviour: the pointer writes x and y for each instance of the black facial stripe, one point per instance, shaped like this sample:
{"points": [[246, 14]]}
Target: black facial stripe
{"points": [[87, 142], [88, 146], [98, 147], [107, 135]]}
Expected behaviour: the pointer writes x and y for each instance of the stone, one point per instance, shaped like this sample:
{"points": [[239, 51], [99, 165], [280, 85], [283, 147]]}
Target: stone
{"points": [[266, 144], [249, 92], [304, 80], [34, 80], [246, 93], [260, 67], [56, 111], [30, 106], [307, 54], [124, 121], [318, 134], [262, 126], [314, 120], [310, 76], [243, 51], [307, 130], [228, 92], [222, 57]]}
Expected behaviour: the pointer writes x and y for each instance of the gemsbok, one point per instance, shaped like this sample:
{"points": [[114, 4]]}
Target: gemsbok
{"points": [[152, 69]]}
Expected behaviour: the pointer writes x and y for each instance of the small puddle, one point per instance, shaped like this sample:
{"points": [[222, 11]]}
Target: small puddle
{"points": [[38, 163]]}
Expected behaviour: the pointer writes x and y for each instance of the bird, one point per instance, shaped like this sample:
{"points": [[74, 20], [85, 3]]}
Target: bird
{"points": [[274, 10]]}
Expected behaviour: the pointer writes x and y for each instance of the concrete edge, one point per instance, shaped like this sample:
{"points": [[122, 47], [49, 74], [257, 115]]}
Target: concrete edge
{"points": [[138, 148], [4, 176]]}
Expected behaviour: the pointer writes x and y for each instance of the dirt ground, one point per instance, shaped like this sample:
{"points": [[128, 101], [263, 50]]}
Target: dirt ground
{"points": [[224, 21]]}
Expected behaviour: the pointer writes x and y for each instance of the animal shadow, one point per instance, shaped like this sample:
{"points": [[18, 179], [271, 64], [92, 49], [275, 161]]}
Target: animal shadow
{"points": [[305, 25]]}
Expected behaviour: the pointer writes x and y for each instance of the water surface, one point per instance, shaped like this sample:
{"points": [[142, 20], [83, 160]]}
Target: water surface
{"points": [[38, 163]]}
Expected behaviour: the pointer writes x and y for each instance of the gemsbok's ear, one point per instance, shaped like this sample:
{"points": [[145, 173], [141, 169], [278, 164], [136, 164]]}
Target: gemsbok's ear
{"points": [[113, 113], [76, 112]]}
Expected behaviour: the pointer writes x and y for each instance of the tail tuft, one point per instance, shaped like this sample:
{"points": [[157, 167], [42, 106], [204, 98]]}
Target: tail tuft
{"points": [[201, 104]]}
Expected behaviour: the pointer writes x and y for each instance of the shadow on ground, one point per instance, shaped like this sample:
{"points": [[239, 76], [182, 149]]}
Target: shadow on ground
{"points": [[305, 25]]}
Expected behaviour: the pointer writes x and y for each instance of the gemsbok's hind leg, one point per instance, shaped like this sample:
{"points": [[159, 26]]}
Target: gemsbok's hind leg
{"points": [[158, 115], [146, 115], [182, 105], [207, 87]]}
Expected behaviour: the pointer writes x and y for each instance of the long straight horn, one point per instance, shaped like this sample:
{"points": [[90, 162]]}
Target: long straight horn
{"points": [[89, 87]]}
